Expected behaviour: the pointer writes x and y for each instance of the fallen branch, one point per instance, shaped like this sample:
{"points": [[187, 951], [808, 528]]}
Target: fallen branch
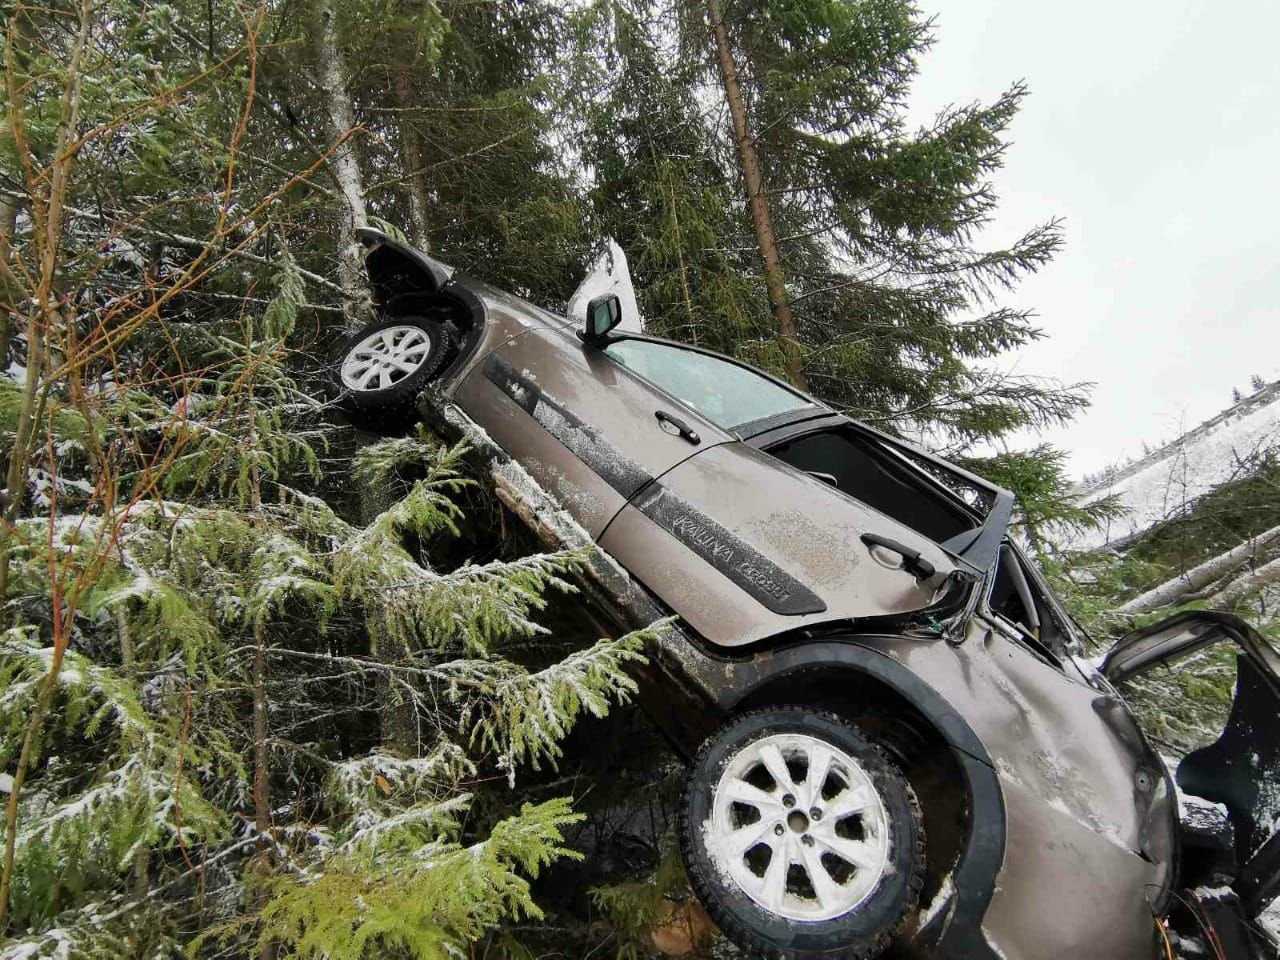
{"points": [[1241, 587], [1197, 578]]}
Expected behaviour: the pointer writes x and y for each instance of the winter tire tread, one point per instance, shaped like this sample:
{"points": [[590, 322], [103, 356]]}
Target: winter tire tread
{"points": [[881, 769], [394, 405]]}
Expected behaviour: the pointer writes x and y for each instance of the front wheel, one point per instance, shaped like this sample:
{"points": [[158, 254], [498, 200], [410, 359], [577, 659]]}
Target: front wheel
{"points": [[800, 837]]}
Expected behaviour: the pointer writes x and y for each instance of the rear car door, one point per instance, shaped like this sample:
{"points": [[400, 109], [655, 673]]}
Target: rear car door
{"points": [[587, 429]]}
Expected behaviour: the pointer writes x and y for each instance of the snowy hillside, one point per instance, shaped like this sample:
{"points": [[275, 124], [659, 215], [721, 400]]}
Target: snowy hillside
{"points": [[1166, 481]]}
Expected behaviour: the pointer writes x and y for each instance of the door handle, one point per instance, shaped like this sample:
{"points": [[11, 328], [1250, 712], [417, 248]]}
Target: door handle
{"points": [[669, 423], [912, 562]]}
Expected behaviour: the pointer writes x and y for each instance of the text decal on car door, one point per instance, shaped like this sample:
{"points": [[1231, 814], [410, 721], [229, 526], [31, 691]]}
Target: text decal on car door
{"points": [[764, 580], [758, 576]]}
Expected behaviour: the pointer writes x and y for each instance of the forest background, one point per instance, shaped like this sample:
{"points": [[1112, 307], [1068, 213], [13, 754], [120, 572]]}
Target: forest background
{"points": [[270, 685]]}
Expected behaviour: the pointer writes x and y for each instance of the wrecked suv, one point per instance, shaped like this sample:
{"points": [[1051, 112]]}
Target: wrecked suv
{"points": [[894, 739]]}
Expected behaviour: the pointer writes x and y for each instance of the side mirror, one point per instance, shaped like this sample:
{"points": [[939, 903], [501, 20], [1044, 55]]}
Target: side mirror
{"points": [[603, 314]]}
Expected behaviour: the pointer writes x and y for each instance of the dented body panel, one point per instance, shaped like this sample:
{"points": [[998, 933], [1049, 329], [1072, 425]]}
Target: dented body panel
{"points": [[1058, 845]]}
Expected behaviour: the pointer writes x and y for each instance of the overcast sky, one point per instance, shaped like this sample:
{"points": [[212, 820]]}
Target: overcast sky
{"points": [[1154, 130]]}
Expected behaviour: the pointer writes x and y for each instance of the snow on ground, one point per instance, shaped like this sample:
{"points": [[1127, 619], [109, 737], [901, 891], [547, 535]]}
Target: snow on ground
{"points": [[1270, 920], [1161, 484]]}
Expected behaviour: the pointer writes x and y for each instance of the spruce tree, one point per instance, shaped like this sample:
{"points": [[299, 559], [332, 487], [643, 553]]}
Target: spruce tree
{"points": [[658, 188], [190, 668], [877, 227]]}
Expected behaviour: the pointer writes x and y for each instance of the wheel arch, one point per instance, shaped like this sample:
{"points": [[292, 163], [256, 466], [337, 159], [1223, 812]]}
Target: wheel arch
{"points": [[846, 673], [406, 281]]}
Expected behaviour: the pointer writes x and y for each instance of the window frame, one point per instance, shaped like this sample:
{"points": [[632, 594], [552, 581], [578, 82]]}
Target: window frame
{"points": [[977, 549], [1042, 593], [926, 485]]}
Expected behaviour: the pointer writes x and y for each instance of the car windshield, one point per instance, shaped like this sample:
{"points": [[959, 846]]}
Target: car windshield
{"points": [[726, 393]]}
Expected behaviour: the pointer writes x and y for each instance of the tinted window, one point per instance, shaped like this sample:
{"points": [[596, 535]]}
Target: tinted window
{"points": [[867, 472], [726, 394]]}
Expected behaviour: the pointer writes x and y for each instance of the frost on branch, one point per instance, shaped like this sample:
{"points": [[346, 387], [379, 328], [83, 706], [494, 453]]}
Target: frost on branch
{"points": [[427, 901]]}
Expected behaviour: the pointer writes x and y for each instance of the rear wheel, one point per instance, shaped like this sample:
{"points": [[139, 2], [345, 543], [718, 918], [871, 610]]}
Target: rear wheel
{"points": [[800, 837], [385, 366]]}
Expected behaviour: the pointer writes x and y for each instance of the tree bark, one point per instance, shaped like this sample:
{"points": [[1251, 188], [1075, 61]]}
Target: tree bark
{"points": [[1199, 577], [340, 120], [261, 754], [261, 751], [1241, 587], [411, 143], [397, 715], [8, 224], [757, 202]]}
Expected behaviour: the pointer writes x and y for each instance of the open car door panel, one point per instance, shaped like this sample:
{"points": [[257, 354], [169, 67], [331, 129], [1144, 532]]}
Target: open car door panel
{"points": [[1241, 769]]}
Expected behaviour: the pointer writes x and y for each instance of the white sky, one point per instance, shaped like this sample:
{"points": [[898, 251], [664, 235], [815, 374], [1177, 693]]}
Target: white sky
{"points": [[1153, 128]]}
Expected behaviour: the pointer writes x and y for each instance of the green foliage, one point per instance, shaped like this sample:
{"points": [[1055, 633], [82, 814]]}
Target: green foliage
{"points": [[427, 902], [83, 829], [897, 305], [225, 528], [660, 191], [1185, 705], [64, 423], [1046, 506], [522, 717], [1238, 509], [92, 695], [633, 908]]}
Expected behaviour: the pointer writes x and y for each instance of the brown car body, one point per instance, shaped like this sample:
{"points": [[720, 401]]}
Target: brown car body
{"points": [[1059, 831]]}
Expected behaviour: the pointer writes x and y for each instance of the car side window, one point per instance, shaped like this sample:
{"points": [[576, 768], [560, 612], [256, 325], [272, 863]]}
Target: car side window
{"points": [[725, 393], [861, 469]]}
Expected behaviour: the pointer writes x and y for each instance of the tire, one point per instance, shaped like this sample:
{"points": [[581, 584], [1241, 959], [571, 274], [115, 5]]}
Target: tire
{"points": [[384, 367], [849, 911]]}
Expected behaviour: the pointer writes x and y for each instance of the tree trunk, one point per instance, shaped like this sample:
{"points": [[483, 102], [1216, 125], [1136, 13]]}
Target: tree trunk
{"points": [[261, 753], [261, 748], [1241, 587], [397, 715], [757, 202], [8, 224], [411, 143], [1199, 577], [340, 120], [47, 195]]}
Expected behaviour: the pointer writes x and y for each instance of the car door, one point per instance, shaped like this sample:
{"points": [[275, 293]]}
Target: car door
{"points": [[1241, 768], [590, 431], [744, 545]]}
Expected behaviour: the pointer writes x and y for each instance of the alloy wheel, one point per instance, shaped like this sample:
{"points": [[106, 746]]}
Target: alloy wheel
{"points": [[385, 357], [799, 826]]}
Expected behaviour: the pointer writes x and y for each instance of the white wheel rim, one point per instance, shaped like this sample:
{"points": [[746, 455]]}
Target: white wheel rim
{"points": [[384, 358], [807, 867]]}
